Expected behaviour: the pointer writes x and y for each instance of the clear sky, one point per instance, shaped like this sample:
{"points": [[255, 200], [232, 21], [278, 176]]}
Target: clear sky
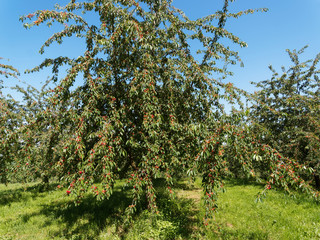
{"points": [[288, 24]]}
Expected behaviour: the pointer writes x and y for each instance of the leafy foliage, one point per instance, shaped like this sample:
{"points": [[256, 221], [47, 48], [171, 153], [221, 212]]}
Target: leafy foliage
{"points": [[148, 109], [10, 118], [288, 107], [8, 71], [142, 110]]}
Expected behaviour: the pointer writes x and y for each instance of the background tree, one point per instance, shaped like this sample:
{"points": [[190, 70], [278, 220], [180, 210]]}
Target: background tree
{"points": [[27, 140], [287, 106], [10, 119], [38, 135]]}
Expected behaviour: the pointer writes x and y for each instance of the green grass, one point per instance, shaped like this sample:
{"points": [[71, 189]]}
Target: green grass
{"points": [[26, 213], [279, 216]]}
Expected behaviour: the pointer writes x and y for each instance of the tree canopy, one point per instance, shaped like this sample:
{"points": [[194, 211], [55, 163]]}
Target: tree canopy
{"points": [[288, 107], [148, 107]]}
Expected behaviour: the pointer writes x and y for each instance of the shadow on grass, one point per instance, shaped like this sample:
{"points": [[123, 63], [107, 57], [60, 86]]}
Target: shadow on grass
{"points": [[182, 213], [24, 193], [179, 183], [91, 218], [227, 233]]}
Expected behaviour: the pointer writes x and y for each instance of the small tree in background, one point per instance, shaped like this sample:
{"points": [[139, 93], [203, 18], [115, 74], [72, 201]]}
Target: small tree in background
{"points": [[288, 107], [10, 119], [27, 138], [38, 133]]}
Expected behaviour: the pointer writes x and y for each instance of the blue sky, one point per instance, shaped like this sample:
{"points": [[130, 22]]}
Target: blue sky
{"points": [[288, 24]]}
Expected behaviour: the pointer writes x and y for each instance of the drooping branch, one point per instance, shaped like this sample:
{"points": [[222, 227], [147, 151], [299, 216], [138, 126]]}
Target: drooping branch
{"points": [[217, 35]]}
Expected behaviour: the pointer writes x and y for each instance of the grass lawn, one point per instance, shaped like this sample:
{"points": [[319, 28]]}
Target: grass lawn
{"points": [[277, 217], [25, 213]]}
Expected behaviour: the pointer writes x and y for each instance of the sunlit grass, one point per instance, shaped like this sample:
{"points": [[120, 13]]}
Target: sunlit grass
{"points": [[26, 213], [279, 216]]}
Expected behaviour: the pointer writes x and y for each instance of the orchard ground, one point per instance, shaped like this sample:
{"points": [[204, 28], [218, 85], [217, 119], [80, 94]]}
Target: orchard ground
{"points": [[26, 213]]}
